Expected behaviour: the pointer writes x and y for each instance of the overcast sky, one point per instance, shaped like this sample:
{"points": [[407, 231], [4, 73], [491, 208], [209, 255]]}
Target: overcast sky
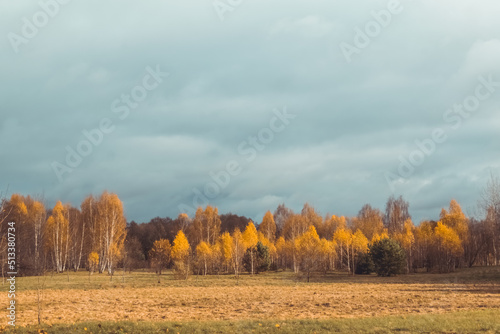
{"points": [[313, 101]]}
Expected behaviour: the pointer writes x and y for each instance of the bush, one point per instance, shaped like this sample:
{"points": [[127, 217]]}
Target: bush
{"points": [[181, 270], [388, 257], [364, 265]]}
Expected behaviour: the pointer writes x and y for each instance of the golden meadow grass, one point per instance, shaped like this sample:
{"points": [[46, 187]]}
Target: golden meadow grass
{"points": [[284, 296]]}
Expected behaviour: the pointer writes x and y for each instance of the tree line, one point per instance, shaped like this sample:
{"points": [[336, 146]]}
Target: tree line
{"points": [[63, 238], [96, 237]]}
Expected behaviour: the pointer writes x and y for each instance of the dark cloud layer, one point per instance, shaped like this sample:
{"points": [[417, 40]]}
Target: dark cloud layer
{"points": [[353, 120]]}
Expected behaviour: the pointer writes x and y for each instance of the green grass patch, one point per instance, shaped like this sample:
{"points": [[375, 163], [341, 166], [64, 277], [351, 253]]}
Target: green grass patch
{"points": [[484, 321]]}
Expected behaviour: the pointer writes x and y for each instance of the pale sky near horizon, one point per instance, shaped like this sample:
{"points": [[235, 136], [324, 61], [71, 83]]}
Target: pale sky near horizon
{"points": [[365, 86]]}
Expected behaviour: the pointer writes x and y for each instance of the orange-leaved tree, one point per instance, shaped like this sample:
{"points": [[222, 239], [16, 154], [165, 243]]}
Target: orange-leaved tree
{"points": [[160, 255], [204, 255], [268, 226], [238, 251], [359, 245], [406, 239], [181, 254], [93, 262], [456, 219], [343, 238], [250, 239], [308, 247], [226, 246], [112, 230], [449, 245]]}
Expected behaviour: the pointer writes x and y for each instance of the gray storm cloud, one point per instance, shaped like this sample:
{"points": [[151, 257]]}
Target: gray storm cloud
{"points": [[61, 72]]}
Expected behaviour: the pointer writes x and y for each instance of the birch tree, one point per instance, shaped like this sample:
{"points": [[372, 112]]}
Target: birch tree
{"points": [[250, 239], [238, 251], [308, 248], [112, 225], [181, 254], [58, 236], [268, 227]]}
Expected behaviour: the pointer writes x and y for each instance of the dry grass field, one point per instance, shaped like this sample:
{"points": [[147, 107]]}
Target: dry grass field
{"points": [[269, 297]]}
